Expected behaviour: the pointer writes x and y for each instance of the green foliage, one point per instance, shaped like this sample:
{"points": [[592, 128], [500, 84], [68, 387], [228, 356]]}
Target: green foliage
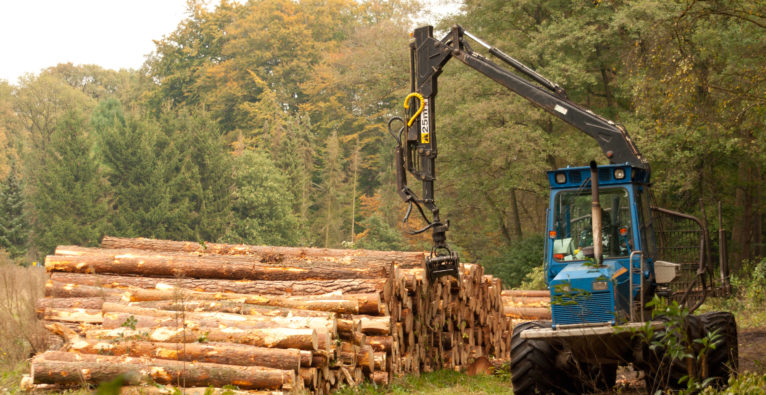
{"points": [[676, 346], [750, 282], [262, 206], [14, 227], [745, 383], [515, 262], [379, 235], [70, 194]]}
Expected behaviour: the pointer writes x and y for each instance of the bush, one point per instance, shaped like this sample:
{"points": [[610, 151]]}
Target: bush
{"points": [[750, 282], [513, 263], [22, 333]]}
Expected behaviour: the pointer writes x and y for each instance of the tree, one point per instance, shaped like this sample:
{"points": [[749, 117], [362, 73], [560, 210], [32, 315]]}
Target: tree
{"points": [[262, 205], [329, 219], [70, 195], [14, 228], [147, 174]]}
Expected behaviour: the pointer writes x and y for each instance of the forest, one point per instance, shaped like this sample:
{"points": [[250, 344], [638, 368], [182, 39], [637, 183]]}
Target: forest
{"points": [[264, 122]]}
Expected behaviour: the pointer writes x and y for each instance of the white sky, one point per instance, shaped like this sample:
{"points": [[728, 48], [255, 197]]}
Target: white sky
{"points": [[114, 34]]}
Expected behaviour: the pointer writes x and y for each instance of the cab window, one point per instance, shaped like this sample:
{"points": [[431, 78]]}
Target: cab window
{"points": [[572, 224]]}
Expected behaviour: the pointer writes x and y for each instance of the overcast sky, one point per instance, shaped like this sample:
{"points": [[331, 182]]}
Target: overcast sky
{"points": [[114, 34]]}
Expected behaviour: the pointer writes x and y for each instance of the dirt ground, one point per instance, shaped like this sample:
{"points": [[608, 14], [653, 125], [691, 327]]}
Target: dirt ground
{"points": [[752, 350]]}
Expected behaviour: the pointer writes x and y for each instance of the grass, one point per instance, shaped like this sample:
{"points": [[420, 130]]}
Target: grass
{"points": [[21, 333], [443, 382]]}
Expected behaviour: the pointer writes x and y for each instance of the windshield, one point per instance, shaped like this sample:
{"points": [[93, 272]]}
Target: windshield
{"points": [[572, 224]]}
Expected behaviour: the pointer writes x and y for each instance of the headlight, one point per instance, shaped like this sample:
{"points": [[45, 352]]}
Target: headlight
{"points": [[600, 286], [561, 178], [619, 174]]}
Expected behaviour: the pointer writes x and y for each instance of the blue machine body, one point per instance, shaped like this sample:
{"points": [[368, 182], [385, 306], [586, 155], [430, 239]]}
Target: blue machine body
{"points": [[581, 291]]}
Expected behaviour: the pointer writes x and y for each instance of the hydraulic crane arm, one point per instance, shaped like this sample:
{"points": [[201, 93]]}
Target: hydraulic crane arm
{"points": [[417, 150]]}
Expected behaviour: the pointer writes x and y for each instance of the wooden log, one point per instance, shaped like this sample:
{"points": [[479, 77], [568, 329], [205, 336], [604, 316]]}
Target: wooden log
{"points": [[56, 289], [365, 358], [56, 367], [309, 377], [328, 321], [526, 293], [210, 267], [404, 259], [302, 338], [380, 377], [72, 303], [374, 326], [221, 353], [315, 287], [380, 360], [343, 304], [528, 313], [380, 343], [226, 306], [88, 316]]}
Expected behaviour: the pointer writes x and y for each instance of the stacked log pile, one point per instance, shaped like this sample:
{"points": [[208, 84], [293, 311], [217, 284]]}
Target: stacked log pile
{"points": [[260, 318]]}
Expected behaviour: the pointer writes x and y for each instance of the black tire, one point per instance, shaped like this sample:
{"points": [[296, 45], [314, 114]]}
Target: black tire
{"points": [[533, 364], [723, 361]]}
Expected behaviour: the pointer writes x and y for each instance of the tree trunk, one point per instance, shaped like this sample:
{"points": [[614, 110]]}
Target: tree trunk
{"points": [[221, 353], [316, 287], [300, 338], [55, 367], [343, 304], [230, 268], [265, 253]]}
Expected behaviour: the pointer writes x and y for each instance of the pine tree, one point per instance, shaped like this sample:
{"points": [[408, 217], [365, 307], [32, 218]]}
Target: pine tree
{"points": [[330, 215], [147, 173], [14, 228], [70, 194], [262, 205]]}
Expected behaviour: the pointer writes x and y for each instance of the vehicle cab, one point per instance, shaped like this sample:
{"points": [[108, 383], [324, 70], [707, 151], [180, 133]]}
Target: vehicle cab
{"points": [[583, 291]]}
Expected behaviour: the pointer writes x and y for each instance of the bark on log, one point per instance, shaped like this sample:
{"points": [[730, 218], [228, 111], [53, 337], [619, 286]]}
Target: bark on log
{"points": [[63, 290], [529, 313], [221, 353], [328, 321], [231, 307], [304, 339], [316, 287], [207, 267], [88, 316], [523, 293], [56, 367], [343, 304], [404, 259], [118, 320], [72, 303]]}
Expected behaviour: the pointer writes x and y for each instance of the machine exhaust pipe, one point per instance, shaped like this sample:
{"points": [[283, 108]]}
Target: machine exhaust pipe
{"points": [[598, 245]]}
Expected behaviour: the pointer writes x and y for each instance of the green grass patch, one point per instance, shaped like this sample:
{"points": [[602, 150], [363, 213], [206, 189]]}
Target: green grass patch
{"points": [[444, 382]]}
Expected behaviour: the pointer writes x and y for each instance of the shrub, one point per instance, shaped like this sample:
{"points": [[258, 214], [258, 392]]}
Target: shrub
{"points": [[513, 263], [22, 333]]}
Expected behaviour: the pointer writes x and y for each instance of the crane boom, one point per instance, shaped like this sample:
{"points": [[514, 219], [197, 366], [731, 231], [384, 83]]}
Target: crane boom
{"points": [[417, 148]]}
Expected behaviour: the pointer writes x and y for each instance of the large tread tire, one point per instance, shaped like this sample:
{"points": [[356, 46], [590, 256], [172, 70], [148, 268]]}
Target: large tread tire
{"points": [[533, 364], [723, 361]]}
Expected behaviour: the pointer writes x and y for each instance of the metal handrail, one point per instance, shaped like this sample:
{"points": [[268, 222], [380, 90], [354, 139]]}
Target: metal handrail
{"points": [[641, 284]]}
